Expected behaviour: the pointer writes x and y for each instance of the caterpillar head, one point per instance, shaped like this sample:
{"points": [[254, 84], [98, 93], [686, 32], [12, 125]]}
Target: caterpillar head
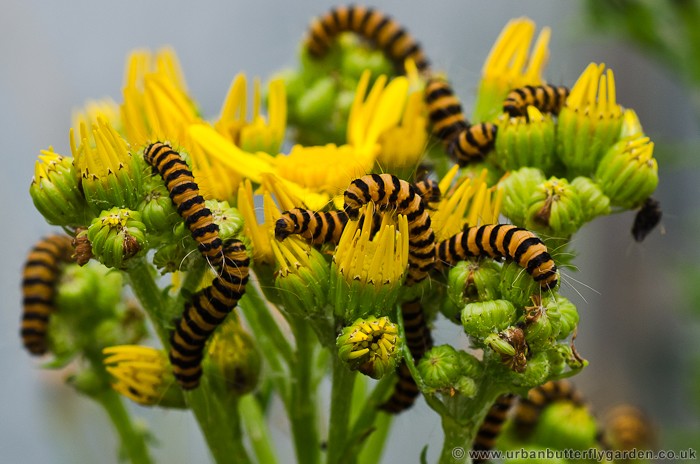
{"points": [[284, 227]]}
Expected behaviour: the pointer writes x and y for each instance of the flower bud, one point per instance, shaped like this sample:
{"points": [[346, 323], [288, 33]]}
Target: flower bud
{"points": [[487, 317], [535, 373], [539, 328], [356, 57], [117, 235], [564, 425], [563, 315], [370, 345], [594, 203], [555, 209], [517, 286], [524, 142], [234, 355], [315, 106], [440, 368], [631, 127], [157, 210], [518, 187], [628, 173], [144, 375], [229, 220], [510, 345], [55, 191], [470, 282]]}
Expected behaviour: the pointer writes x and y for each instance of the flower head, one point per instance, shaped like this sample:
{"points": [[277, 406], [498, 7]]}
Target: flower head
{"points": [[370, 345], [233, 352], [143, 374], [510, 65], [117, 235]]}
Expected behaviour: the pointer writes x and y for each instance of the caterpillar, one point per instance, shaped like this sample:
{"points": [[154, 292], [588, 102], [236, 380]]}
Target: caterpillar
{"points": [[205, 311], [546, 98], [428, 190], [626, 428], [372, 25], [646, 219], [473, 144], [184, 194], [39, 277], [502, 241], [444, 110], [528, 410], [317, 226], [418, 340], [388, 190], [487, 434]]}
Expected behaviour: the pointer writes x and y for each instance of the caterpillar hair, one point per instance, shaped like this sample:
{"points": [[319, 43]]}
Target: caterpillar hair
{"points": [[387, 190], [372, 25], [528, 410], [418, 340], [546, 98], [501, 241], [42, 270], [646, 219], [205, 311], [490, 429], [184, 194]]}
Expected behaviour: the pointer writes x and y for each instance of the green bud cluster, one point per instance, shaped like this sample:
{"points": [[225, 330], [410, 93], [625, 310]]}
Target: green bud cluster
{"points": [[116, 236], [446, 370], [470, 282], [117, 189], [303, 291], [526, 142], [320, 93], [371, 346]]}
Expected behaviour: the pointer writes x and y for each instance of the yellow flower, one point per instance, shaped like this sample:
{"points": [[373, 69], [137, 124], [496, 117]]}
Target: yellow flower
{"points": [[255, 134], [510, 65], [143, 375], [468, 202], [371, 346], [105, 109]]}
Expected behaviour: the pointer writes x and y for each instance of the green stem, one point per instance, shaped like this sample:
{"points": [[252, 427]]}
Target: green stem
{"points": [[150, 296], [219, 420], [263, 317], [256, 428], [454, 448], [372, 451], [341, 392], [133, 441], [302, 411]]}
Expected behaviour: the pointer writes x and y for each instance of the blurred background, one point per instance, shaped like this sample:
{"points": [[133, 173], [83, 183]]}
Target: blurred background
{"points": [[640, 322]]}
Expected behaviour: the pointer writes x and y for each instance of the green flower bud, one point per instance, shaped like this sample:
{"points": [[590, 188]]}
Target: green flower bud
{"points": [[555, 209], [229, 220], [88, 382], [527, 141], [518, 187], [317, 103], [628, 173], [466, 386], [157, 210], [517, 286], [539, 328], [484, 318], [535, 373], [371, 346], [470, 365], [594, 203], [473, 281], [631, 127], [563, 315], [510, 345], [117, 235], [440, 368], [55, 191], [564, 425], [235, 358], [356, 58]]}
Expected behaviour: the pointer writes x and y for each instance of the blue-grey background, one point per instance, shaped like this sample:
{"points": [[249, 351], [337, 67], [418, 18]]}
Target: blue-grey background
{"points": [[636, 327]]}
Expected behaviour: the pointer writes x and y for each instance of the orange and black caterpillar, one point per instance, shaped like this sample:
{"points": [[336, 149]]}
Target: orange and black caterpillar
{"points": [[648, 217], [39, 279], [528, 410], [546, 98], [316, 226], [184, 193], [418, 340], [386, 191], [205, 311], [428, 190], [501, 241], [487, 434], [465, 142], [376, 27]]}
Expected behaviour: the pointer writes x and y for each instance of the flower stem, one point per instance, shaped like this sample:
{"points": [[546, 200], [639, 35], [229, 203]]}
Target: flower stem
{"points": [[133, 441], [256, 428], [302, 411], [219, 420], [150, 296], [343, 382]]}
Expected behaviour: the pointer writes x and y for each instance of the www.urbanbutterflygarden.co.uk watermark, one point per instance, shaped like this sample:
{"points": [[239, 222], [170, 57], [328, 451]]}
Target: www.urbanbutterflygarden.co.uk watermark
{"points": [[571, 454]]}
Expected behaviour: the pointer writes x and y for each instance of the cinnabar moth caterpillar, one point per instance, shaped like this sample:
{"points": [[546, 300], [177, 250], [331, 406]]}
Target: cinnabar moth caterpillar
{"points": [[646, 219], [501, 241], [184, 193], [205, 311], [546, 98], [487, 434], [374, 26], [42, 270]]}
